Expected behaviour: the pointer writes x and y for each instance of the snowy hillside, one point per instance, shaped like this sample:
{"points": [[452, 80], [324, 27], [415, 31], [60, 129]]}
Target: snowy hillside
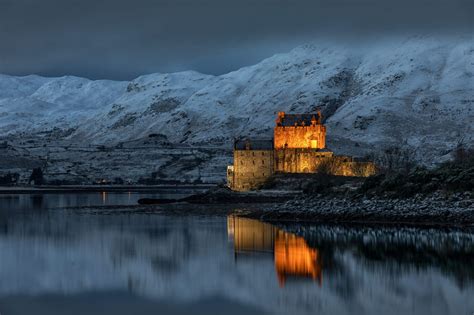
{"points": [[418, 91]]}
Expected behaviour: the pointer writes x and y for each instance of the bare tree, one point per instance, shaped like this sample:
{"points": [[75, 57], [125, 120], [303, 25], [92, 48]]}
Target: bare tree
{"points": [[396, 159], [463, 155], [363, 169], [326, 167]]}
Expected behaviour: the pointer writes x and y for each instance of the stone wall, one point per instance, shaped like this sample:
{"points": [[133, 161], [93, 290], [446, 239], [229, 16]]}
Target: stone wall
{"points": [[299, 160], [346, 166], [357, 169], [251, 169], [306, 137], [312, 161]]}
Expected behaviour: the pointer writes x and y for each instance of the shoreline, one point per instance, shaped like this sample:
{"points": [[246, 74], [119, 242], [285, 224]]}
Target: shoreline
{"points": [[433, 210], [101, 188], [220, 195], [290, 207]]}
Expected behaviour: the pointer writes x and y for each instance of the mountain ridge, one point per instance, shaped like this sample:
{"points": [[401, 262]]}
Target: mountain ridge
{"points": [[416, 92]]}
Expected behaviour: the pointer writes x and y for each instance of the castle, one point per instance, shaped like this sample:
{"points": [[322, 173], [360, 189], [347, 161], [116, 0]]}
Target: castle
{"points": [[298, 146]]}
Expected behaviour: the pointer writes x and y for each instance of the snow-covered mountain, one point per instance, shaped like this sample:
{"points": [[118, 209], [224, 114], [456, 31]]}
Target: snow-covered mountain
{"points": [[417, 91]]}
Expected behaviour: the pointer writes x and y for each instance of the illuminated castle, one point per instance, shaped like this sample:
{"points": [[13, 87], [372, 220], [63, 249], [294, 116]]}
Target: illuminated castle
{"points": [[298, 146], [304, 131]]}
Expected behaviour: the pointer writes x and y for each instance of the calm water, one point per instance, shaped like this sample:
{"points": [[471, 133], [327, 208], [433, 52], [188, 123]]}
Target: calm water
{"points": [[56, 260], [52, 201]]}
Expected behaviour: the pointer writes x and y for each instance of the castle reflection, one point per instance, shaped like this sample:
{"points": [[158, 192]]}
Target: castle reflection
{"points": [[291, 254]]}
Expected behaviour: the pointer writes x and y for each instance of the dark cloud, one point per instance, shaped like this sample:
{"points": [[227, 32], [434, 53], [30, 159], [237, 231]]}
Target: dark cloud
{"points": [[121, 39]]}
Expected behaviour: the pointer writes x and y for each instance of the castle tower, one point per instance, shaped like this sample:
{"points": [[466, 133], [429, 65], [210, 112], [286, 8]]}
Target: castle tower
{"points": [[299, 131]]}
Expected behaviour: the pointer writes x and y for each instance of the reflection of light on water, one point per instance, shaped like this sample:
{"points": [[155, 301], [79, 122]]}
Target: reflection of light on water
{"points": [[230, 228], [104, 197], [250, 235], [292, 255]]}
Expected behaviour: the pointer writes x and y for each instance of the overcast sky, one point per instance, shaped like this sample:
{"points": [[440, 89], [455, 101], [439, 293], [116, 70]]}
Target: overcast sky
{"points": [[121, 39]]}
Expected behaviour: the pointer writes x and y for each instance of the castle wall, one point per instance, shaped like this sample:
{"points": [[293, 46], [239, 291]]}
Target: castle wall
{"points": [[358, 169], [299, 160], [306, 137], [341, 165], [251, 169], [311, 161]]}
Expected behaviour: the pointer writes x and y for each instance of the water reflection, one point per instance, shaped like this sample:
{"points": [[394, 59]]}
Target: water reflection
{"points": [[42, 201], [291, 254], [185, 260], [293, 257]]}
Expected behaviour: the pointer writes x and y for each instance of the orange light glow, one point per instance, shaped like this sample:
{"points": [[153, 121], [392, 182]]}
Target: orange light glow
{"points": [[300, 135], [293, 257]]}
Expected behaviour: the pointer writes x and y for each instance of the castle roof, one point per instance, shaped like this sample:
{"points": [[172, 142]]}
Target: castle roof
{"points": [[253, 144], [288, 120]]}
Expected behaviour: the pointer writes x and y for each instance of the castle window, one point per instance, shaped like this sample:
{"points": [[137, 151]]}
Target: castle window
{"points": [[263, 162], [253, 162], [253, 153], [242, 162]]}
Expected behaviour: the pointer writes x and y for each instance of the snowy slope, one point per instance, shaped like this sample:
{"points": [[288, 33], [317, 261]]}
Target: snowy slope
{"points": [[417, 91]]}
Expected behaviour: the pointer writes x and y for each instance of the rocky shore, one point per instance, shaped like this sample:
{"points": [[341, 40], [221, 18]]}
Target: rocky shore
{"points": [[456, 209]]}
